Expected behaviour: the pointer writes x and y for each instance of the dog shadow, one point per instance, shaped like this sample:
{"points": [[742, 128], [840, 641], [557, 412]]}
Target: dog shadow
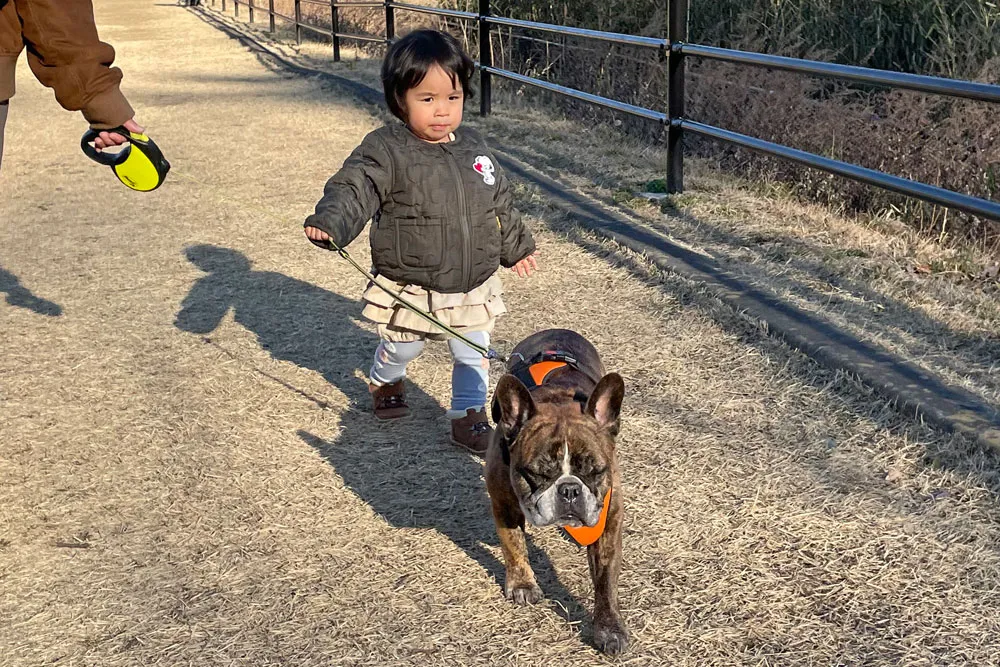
{"points": [[419, 484], [403, 470]]}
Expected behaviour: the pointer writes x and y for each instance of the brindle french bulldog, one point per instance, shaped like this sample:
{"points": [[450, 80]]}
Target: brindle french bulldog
{"points": [[552, 461]]}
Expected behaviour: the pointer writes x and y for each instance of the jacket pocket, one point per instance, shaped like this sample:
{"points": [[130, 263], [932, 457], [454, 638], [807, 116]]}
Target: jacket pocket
{"points": [[486, 247], [420, 242]]}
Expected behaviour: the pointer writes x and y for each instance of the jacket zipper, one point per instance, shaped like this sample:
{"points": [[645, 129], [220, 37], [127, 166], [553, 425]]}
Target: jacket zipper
{"points": [[466, 226]]}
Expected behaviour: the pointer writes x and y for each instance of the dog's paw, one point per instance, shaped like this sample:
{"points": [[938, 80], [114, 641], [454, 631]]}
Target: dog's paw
{"points": [[524, 594], [611, 638]]}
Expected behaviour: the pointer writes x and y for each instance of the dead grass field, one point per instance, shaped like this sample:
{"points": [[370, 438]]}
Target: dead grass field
{"points": [[189, 473]]}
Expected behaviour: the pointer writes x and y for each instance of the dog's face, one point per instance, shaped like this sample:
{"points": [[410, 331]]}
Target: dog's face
{"points": [[561, 456]]}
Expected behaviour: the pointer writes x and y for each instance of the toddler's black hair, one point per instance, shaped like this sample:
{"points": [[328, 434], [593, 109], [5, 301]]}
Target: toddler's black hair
{"points": [[411, 57]]}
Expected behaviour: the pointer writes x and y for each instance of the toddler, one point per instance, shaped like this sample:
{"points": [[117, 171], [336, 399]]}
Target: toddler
{"points": [[442, 224]]}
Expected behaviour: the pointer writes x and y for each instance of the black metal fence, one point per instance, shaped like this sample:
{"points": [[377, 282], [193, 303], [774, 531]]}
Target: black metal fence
{"points": [[675, 48]]}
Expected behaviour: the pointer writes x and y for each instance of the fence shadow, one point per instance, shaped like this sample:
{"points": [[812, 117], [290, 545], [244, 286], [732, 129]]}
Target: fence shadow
{"points": [[953, 408], [796, 263]]}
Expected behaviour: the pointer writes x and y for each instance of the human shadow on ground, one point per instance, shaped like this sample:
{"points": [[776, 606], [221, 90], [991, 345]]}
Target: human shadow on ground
{"points": [[293, 320], [21, 297], [406, 471]]}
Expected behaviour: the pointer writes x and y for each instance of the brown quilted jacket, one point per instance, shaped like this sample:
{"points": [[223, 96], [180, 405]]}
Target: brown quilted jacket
{"points": [[65, 54]]}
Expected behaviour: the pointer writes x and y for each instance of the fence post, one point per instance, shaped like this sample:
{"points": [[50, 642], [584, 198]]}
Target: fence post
{"points": [[270, 14], [390, 22], [298, 22], [485, 60], [335, 28], [677, 11]]}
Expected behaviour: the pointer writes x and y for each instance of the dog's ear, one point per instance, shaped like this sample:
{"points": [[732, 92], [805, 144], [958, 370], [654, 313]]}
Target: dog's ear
{"points": [[605, 402], [512, 406]]}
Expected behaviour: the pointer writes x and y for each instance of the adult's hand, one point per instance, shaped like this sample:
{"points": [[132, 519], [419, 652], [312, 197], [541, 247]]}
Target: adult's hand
{"points": [[106, 139]]}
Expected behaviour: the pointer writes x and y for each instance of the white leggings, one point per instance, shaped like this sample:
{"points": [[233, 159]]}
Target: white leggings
{"points": [[469, 375]]}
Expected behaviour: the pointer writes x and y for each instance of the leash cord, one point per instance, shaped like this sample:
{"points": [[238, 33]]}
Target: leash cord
{"points": [[486, 352]]}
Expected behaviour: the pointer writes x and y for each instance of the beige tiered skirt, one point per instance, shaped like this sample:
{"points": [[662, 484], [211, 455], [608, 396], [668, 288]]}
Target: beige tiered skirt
{"points": [[471, 311]]}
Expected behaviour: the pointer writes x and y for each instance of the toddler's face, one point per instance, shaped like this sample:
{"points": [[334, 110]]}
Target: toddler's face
{"points": [[434, 106]]}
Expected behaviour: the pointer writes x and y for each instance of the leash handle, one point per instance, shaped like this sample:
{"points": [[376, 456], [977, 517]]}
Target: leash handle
{"points": [[140, 165], [107, 159], [488, 353], [104, 157]]}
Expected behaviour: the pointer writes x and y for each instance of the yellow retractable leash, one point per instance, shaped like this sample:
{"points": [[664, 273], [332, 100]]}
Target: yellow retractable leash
{"points": [[139, 165]]}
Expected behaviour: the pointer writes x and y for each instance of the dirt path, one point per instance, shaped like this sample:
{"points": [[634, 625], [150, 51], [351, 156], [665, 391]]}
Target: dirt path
{"points": [[189, 475]]}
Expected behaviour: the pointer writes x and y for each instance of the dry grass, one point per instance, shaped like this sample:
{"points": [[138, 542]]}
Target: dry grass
{"points": [[931, 139], [190, 474]]}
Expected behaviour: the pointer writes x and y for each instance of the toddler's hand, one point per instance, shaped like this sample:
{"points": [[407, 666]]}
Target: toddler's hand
{"points": [[525, 267], [317, 236]]}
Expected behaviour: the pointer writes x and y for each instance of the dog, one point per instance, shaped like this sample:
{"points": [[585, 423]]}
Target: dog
{"points": [[552, 461]]}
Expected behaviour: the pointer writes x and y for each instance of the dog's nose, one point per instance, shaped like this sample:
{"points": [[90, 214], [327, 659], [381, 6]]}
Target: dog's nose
{"points": [[569, 490]]}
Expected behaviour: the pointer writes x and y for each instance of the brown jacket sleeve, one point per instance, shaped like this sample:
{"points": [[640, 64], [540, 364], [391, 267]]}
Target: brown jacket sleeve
{"points": [[65, 54]]}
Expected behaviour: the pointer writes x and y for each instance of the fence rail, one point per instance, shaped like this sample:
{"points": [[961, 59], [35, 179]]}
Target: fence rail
{"points": [[450, 13], [676, 49], [970, 90]]}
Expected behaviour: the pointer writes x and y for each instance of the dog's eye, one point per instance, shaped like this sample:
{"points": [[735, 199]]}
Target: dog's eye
{"points": [[530, 477]]}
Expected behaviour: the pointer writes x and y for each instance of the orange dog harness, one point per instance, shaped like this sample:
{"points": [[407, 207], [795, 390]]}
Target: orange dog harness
{"points": [[587, 535], [540, 370]]}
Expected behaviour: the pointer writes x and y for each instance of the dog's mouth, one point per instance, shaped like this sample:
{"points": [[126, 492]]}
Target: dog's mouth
{"points": [[574, 521], [536, 518], [550, 507]]}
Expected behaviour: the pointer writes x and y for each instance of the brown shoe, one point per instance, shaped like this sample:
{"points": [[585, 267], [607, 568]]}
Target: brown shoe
{"points": [[473, 431], [389, 400]]}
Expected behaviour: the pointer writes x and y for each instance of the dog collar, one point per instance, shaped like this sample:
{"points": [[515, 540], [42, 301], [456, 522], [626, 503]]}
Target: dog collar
{"points": [[587, 535]]}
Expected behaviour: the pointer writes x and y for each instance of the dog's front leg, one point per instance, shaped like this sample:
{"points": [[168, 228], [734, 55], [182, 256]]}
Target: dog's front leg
{"points": [[520, 585], [605, 559]]}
